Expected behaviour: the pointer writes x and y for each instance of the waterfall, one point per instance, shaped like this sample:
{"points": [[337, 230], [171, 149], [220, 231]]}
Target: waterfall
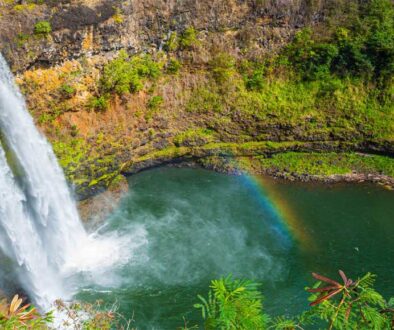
{"points": [[40, 229]]}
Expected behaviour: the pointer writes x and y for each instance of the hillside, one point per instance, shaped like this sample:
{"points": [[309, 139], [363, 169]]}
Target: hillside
{"points": [[293, 88]]}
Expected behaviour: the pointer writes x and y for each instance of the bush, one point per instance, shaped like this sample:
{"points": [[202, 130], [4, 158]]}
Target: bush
{"points": [[222, 67], [232, 304], [188, 38], [18, 316], [123, 74], [172, 43], [42, 28], [67, 90], [344, 304], [98, 103], [173, 66], [364, 47], [155, 102], [311, 59]]}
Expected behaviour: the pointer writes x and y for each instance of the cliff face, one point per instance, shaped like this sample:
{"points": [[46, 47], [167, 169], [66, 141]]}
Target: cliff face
{"points": [[83, 28], [206, 89]]}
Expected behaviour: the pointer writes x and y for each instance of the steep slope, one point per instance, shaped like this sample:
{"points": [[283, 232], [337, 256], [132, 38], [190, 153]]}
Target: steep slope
{"points": [[222, 79]]}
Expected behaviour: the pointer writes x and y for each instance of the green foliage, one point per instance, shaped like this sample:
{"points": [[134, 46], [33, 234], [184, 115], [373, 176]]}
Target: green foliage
{"points": [[18, 316], [67, 90], [194, 137], [124, 74], [351, 305], [222, 67], [312, 59], [328, 163], [98, 103], [255, 82], [172, 44], [365, 47], [232, 304], [204, 100], [173, 66], [188, 38], [42, 28], [21, 39], [155, 102], [342, 305]]}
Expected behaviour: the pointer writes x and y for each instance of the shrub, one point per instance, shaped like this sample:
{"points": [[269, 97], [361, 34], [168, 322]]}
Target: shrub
{"points": [[232, 304], [155, 102], [255, 82], [18, 316], [172, 43], [67, 90], [173, 66], [123, 74], [313, 60], [188, 38], [343, 305], [222, 67], [98, 103], [42, 28]]}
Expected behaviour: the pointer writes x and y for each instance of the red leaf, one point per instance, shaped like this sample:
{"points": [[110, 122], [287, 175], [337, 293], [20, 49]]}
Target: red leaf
{"points": [[326, 297], [325, 279], [344, 278], [327, 288]]}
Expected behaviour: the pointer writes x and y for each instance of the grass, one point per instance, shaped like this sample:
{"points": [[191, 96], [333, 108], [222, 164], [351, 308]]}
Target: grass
{"points": [[325, 164]]}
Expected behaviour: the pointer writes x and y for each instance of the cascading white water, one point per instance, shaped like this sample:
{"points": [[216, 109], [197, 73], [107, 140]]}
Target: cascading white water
{"points": [[38, 217], [40, 229]]}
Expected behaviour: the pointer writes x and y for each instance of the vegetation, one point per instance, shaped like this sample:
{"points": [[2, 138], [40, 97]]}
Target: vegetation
{"points": [[347, 305], [124, 74], [42, 28], [155, 102], [327, 163], [18, 316], [98, 103], [173, 66], [237, 304], [188, 38], [232, 304]]}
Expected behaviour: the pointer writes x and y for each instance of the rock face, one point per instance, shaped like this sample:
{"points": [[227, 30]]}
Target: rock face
{"points": [[203, 110], [83, 28]]}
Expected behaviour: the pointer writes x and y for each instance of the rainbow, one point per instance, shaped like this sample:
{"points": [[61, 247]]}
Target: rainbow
{"points": [[287, 223]]}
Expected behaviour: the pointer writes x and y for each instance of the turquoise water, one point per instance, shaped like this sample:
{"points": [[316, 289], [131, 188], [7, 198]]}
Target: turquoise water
{"points": [[192, 225]]}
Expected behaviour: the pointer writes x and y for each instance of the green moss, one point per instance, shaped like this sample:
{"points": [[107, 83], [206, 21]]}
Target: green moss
{"points": [[167, 153], [193, 137], [328, 163]]}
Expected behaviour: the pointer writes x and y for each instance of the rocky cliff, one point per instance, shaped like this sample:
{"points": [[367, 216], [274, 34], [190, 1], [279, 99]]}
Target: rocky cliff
{"points": [[191, 86]]}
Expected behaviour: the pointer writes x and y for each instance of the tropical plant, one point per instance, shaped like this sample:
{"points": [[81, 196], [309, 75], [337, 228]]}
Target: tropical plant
{"points": [[21, 316], [232, 304], [347, 305]]}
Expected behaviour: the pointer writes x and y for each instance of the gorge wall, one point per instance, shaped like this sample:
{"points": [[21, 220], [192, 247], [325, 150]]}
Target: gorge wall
{"points": [[192, 100]]}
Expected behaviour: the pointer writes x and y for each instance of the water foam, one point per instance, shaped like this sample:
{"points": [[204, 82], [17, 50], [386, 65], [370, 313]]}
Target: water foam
{"points": [[40, 229]]}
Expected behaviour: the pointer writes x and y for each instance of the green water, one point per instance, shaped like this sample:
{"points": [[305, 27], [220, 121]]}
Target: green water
{"points": [[192, 225]]}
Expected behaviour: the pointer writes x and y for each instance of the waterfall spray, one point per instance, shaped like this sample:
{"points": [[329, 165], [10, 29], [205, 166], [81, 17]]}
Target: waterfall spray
{"points": [[39, 223]]}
